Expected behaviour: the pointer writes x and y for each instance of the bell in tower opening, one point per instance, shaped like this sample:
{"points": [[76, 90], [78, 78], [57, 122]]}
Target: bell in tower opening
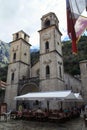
{"points": [[49, 20]]}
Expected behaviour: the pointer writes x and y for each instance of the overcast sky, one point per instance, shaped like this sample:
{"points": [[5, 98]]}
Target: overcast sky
{"points": [[16, 15]]}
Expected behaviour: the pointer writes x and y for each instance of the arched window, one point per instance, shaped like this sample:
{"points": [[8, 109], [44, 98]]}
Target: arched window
{"points": [[47, 23], [17, 35], [66, 87], [81, 92], [47, 71], [71, 88], [12, 76], [14, 56], [25, 36], [60, 73], [77, 90], [38, 72], [47, 46]]}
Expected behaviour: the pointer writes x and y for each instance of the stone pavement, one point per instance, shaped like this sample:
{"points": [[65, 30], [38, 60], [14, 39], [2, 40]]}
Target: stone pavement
{"points": [[75, 124]]}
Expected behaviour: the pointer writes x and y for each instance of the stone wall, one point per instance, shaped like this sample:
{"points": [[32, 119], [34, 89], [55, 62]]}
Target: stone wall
{"points": [[72, 83]]}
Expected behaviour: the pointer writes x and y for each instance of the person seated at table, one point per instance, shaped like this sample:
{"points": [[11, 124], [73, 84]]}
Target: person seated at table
{"points": [[39, 110], [66, 110], [20, 109]]}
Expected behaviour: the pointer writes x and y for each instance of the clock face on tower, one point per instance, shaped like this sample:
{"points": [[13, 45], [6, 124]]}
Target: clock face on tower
{"points": [[46, 36]]}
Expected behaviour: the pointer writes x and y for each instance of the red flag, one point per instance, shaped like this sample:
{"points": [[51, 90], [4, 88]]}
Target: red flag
{"points": [[70, 27], [76, 23]]}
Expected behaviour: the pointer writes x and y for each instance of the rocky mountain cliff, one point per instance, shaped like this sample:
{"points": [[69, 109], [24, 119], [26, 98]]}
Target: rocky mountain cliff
{"points": [[4, 53]]}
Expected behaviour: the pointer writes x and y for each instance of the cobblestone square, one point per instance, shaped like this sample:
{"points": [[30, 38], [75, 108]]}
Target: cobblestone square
{"points": [[74, 124]]}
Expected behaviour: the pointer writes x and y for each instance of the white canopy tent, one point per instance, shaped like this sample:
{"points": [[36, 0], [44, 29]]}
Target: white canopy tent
{"points": [[78, 96], [59, 95]]}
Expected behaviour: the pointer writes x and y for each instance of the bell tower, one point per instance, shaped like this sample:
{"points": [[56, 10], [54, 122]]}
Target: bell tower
{"points": [[83, 70], [19, 65], [51, 59]]}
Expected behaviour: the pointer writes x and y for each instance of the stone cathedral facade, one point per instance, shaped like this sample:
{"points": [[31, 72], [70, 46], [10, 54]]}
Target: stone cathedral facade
{"points": [[48, 73]]}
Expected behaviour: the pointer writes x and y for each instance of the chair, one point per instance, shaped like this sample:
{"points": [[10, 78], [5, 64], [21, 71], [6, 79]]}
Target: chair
{"points": [[6, 115]]}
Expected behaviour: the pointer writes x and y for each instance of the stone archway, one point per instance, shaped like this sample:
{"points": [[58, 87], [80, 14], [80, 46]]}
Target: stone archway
{"points": [[29, 87]]}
